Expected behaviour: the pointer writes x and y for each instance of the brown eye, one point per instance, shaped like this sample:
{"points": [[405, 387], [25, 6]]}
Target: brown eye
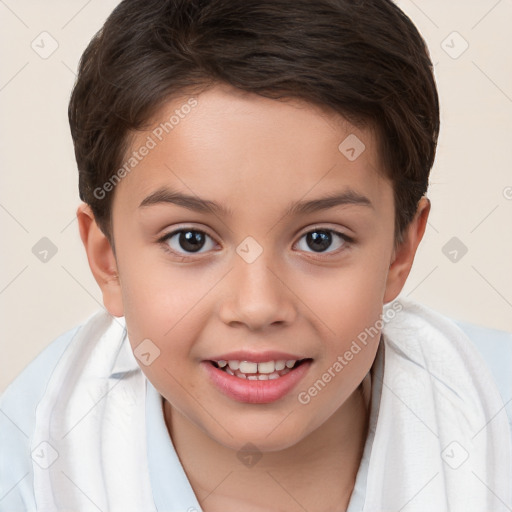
{"points": [[319, 240], [186, 240]]}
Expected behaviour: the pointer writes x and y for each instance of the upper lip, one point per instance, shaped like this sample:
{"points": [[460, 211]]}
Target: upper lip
{"points": [[257, 357]]}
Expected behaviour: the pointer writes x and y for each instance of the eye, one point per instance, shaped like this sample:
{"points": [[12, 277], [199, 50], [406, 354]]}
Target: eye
{"points": [[318, 240], [188, 240]]}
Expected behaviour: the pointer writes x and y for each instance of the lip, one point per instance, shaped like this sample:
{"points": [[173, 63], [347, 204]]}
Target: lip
{"points": [[257, 357], [256, 391]]}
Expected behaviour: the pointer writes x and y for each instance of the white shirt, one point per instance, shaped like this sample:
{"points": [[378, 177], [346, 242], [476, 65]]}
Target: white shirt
{"points": [[171, 489]]}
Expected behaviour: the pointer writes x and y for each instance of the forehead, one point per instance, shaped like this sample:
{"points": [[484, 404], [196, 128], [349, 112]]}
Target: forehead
{"points": [[243, 149]]}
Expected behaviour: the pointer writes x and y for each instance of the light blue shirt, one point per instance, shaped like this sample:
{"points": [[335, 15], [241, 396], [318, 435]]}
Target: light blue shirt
{"points": [[172, 491]]}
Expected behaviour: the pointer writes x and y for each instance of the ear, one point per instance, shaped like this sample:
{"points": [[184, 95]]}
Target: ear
{"points": [[101, 259], [403, 255]]}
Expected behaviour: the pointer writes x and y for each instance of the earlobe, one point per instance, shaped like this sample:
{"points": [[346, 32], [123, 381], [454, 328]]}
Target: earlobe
{"points": [[403, 256], [102, 260]]}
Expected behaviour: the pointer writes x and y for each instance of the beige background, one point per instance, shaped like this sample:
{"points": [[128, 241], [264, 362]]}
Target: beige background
{"points": [[471, 183]]}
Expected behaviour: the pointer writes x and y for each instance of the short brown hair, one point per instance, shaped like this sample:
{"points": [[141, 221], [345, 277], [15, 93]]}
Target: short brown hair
{"points": [[363, 59]]}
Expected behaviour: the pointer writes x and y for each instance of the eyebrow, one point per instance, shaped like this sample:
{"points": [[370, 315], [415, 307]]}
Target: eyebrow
{"points": [[165, 195]]}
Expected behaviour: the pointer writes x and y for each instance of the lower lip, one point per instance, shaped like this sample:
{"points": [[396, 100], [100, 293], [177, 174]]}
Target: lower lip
{"points": [[255, 391]]}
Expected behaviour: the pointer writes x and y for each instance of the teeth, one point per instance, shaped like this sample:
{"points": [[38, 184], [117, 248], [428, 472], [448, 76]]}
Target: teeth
{"points": [[267, 370], [267, 367], [247, 367]]}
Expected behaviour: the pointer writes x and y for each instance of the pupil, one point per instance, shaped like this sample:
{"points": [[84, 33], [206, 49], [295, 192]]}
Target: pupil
{"points": [[319, 240], [191, 241]]}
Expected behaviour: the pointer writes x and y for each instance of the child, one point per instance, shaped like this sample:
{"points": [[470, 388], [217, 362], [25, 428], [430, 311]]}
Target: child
{"points": [[254, 176]]}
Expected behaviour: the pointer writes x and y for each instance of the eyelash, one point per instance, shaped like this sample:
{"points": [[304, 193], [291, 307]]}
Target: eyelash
{"points": [[347, 242]]}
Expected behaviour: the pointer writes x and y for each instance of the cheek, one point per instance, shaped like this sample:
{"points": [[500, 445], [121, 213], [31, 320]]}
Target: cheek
{"points": [[353, 316], [163, 307], [345, 299], [157, 294], [165, 311]]}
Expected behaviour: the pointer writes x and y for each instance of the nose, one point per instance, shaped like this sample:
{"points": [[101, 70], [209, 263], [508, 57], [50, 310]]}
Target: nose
{"points": [[256, 295]]}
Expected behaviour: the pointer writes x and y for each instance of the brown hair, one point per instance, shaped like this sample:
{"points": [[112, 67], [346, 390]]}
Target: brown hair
{"points": [[363, 59]]}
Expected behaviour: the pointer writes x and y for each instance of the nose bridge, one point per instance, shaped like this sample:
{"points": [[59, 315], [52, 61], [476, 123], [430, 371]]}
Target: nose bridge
{"points": [[256, 297]]}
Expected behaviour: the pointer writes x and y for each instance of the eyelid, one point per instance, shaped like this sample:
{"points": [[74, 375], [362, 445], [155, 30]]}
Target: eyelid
{"points": [[185, 227], [320, 227]]}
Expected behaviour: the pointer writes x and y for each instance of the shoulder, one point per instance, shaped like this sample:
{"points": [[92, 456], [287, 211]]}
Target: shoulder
{"points": [[18, 405]]}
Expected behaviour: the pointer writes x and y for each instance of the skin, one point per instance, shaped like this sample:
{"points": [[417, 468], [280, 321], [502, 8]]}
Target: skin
{"points": [[256, 156]]}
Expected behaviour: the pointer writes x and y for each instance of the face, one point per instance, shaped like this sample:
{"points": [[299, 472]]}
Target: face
{"points": [[259, 257]]}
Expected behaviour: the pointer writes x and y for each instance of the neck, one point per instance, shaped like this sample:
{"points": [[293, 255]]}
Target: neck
{"points": [[327, 459]]}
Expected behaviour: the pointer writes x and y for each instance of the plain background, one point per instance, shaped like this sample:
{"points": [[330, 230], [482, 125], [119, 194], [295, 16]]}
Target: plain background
{"points": [[470, 185]]}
